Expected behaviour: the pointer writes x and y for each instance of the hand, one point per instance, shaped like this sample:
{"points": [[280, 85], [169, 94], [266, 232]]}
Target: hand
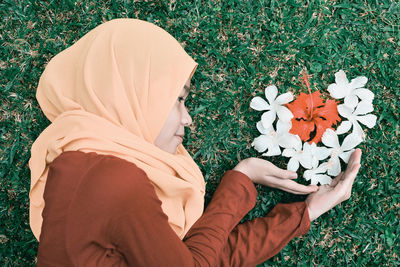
{"points": [[264, 172], [339, 190]]}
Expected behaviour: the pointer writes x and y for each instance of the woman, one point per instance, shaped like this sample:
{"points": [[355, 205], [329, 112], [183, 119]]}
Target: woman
{"points": [[112, 184]]}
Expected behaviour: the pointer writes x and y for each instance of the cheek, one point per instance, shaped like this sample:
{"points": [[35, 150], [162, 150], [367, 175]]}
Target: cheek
{"points": [[173, 120]]}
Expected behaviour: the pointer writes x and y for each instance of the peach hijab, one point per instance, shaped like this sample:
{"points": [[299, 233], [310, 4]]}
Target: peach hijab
{"points": [[110, 93]]}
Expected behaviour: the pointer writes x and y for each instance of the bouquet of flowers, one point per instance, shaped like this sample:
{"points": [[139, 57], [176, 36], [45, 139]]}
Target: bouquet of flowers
{"points": [[307, 121]]}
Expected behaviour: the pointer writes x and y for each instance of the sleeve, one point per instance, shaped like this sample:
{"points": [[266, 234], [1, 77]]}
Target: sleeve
{"points": [[144, 237], [142, 234], [255, 241]]}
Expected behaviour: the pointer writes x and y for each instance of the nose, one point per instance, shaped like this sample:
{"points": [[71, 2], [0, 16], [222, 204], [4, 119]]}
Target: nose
{"points": [[186, 118]]}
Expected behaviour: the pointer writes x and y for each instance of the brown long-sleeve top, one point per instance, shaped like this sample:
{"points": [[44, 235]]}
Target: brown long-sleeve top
{"points": [[101, 210]]}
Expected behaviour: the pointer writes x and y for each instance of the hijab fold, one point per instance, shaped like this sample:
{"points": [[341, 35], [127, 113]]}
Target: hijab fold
{"points": [[111, 93]]}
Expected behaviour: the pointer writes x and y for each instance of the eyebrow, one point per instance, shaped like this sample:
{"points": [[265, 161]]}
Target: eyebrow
{"points": [[186, 88]]}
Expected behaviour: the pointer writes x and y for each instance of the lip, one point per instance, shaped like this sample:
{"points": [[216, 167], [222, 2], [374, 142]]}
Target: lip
{"points": [[180, 137]]}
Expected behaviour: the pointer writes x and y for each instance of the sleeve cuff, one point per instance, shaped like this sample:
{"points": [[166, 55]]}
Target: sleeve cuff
{"points": [[245, 181], [305, 222]]}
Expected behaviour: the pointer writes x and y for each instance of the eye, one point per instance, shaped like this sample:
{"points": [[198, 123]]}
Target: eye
{"points": [[180, 99]]}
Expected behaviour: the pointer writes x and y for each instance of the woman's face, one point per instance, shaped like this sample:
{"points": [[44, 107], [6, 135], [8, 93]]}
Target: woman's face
{"points": [[179, 117]]}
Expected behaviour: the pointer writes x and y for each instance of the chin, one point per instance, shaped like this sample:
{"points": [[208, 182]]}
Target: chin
{"points": [[173, 150], [176, 150]]}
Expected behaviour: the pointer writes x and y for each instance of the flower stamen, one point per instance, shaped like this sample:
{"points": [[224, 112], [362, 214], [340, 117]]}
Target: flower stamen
{"points": [[307, 83]]}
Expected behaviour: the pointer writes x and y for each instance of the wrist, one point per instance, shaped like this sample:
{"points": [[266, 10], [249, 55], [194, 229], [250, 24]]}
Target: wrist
{"points": [[309, 215], [310, 212], [243, 170]]}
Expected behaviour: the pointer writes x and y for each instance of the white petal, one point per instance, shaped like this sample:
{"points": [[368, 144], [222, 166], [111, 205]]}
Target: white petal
{"points": [[287, 140], [344, 127], [283, 127], [298, 143], [314, 159], [345, 111], [322, 168], [293, 164], [364, 94], [314, 162], [358, 82], [313, 147], [363, 107], [334, 168], [306, 161], [330, 138], [308, 174], [261, 143], [351, 101], [314, 180], [358, 130], [316, 175], [288, 152], [323, 179], [258, 103], [284, 98], [261, 128], [341, 88], [284, 113], [273, 150], [322, 153], [345, 156], [337, 91], [351, 141], [369, 120], [268, 118], [306, 158], [307, 149], [270, 93]]}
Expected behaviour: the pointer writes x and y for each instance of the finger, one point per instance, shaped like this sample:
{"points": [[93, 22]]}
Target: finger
{"points": [[293, 191], [355, 157], [347, 182], [287, 185], [299, 188], [289, 191], [275, 182], [281, 173], [354, 160]]}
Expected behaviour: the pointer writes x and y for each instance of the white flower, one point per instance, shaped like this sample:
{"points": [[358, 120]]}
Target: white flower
{"points": [[274, 105], [308, 157], [330, 139], [350, 91], [316, 175], [315, 153], [272, 139], [297, 156], [354, 116]]}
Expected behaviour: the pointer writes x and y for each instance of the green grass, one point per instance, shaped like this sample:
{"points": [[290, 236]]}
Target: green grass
{"points": [[241, 47]]}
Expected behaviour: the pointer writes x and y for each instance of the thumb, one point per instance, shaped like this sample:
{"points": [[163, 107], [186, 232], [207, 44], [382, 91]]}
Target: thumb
{"points": [[336, 179], [315, 188]]}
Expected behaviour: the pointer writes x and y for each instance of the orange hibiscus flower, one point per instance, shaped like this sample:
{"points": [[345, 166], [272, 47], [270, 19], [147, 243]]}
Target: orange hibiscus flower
{"points": [[311, 115]]}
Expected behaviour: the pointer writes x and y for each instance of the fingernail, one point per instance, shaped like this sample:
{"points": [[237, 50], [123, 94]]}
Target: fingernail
{"points": [[293, 175]]}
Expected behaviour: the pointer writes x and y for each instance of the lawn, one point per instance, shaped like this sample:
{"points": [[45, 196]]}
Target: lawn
{"points": [[241, 47]]}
